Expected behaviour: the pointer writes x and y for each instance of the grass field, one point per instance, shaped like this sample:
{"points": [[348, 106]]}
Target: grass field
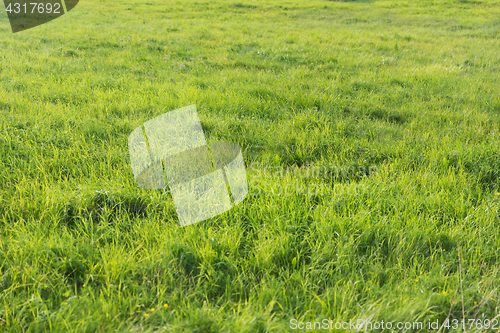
{"points": [[371, 136]]}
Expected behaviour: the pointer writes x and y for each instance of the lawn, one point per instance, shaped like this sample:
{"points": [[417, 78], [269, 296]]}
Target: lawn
{"points": [[370, 132]]}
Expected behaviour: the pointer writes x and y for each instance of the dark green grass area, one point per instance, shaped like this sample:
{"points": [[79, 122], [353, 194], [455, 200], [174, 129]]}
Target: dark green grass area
{"points": [[371, 136]]}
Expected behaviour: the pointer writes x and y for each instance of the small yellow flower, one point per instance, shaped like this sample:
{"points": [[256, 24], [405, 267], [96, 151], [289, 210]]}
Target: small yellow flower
{"points": [[83, 286], [152, 309], [146, 315], [165, 305], [444, 292], [475, 303], [64, 303], [416, 280], [497, 193]]}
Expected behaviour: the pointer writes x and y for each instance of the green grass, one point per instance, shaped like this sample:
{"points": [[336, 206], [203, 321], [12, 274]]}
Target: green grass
{"points": [[371, 135]]}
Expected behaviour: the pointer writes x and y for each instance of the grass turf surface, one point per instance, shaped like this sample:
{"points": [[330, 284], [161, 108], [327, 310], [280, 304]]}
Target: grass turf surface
{"points": [[370, 131]]}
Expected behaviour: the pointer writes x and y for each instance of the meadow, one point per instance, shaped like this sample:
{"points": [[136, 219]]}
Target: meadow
{"points": [[371, 135]]}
